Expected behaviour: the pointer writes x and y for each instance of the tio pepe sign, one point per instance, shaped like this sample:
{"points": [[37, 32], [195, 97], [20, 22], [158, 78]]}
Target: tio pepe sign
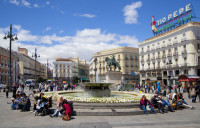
{"points": [[173, 20]]}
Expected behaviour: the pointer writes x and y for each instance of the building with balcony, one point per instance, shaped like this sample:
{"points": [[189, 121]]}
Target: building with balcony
{"points": [[4, 66], [70, 69], [177, 52], [27, 66], [127, 57]]}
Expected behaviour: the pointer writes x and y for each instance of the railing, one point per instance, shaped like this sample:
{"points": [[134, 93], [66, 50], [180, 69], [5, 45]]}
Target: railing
{"points": [[148, 50], [169, 43], [163, 45], [169, 55], [183, 39], [158, 47], [184, 51], [152, 48], [175, 53], [175, 41], [163, 56]]}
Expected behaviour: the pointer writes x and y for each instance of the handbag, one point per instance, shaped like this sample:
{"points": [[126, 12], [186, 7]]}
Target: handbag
{"points": [[66, 117]]}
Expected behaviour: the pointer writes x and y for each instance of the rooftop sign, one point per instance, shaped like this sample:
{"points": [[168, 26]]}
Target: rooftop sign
{"points": [[173, 20]]}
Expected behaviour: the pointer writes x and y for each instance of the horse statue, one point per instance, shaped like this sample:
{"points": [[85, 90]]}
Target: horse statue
{"points": [[112, 62]]}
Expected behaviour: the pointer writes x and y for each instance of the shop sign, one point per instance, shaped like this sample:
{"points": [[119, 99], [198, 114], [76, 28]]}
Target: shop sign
{"points": [[173, 20]]}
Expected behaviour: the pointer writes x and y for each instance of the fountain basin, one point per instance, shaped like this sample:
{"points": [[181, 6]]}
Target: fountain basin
{"points": [[115, 97]]}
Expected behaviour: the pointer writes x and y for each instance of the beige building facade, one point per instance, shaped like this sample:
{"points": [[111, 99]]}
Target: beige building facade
{"points": [[173, 53], [27, 66], [70, 70], [127, 57]]}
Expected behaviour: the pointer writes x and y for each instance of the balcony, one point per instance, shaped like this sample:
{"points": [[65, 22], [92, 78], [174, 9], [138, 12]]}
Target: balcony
{"points": [[175, 42], [169, 55], [153, 48], [184, 64], [169, 43], [175, 65], [175, 54], [148, 49], [163, 56], [184, 51], [158, 47], [183, 39], [142, 51], [163, 45]]}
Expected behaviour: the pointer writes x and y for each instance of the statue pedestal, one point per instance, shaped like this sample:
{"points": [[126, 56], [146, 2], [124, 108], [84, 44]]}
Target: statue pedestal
{"points": [[114, 77]]}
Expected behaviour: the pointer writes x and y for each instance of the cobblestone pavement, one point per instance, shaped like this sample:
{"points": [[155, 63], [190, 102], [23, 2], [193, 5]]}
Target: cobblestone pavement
{"points": [[179, 119]]}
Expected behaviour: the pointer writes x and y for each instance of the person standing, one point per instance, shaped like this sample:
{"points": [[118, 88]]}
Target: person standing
{"points": [[14, 89], [197, 89], [7, 90], [159, 88], [193, 94]]}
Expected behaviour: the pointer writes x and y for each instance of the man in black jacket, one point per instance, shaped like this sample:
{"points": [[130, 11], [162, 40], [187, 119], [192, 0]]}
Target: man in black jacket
{"points": [[157, 103]]}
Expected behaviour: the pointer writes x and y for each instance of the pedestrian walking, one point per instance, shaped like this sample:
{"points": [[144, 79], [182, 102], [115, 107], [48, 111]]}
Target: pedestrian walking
{"points": [[7, 90]]}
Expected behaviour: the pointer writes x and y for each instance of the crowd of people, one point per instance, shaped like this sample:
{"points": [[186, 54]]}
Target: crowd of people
{"points": [[171, 97], [42, 105], [173, 101]]}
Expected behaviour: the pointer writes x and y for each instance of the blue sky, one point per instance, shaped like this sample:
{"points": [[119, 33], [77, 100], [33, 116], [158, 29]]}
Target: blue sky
{"points": [[69, 28]]}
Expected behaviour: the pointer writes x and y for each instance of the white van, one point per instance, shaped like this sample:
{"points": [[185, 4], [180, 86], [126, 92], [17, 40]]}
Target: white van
{"points": [[29, 82]]}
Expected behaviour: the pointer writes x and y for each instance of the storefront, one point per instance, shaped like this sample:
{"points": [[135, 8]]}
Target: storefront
{"points": [[186, 80]]}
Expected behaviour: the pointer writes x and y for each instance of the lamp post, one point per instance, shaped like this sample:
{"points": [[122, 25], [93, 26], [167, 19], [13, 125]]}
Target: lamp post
{"points": [[36, 55], [47, 69], [95, 69], [12, 38]]}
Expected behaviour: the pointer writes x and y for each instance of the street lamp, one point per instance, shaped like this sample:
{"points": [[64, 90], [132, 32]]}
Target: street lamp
{"points": [[36, 55], [95, 69], [12, 38]]}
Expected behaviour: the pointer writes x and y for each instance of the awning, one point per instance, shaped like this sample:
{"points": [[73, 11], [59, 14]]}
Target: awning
{"points": [[187, 78]]}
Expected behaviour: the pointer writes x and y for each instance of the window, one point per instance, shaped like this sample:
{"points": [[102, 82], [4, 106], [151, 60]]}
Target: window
{"points": [[169, 40], [175, 38], [183, 34]]}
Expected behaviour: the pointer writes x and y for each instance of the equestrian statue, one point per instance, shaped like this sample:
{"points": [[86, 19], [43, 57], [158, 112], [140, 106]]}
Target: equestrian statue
{"points": [[112, 62]]}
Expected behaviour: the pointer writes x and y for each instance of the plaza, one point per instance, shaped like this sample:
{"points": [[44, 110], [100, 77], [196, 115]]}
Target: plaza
{"points": [[178, 119]]}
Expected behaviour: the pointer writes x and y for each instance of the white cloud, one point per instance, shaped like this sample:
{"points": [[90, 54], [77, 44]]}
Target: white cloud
{"points": [[131, 14], [47, 3], [61, 31], [14, 2], [88, 15], [47, 29], [26, 3], [36, 5], [83, 44]]}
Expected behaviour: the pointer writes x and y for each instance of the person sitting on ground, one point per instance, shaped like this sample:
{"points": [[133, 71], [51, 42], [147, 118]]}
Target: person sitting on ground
{"points": [[15, 102], [36, 105], [157, 103], [184, 103], [166, 102], [143, 105], [26, 103], [59, 107], [20, 90], [175, 103], [66, 108]]}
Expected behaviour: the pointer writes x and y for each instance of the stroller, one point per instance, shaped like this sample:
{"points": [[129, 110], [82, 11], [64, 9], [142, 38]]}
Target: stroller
{"points": [[43, 109]]}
